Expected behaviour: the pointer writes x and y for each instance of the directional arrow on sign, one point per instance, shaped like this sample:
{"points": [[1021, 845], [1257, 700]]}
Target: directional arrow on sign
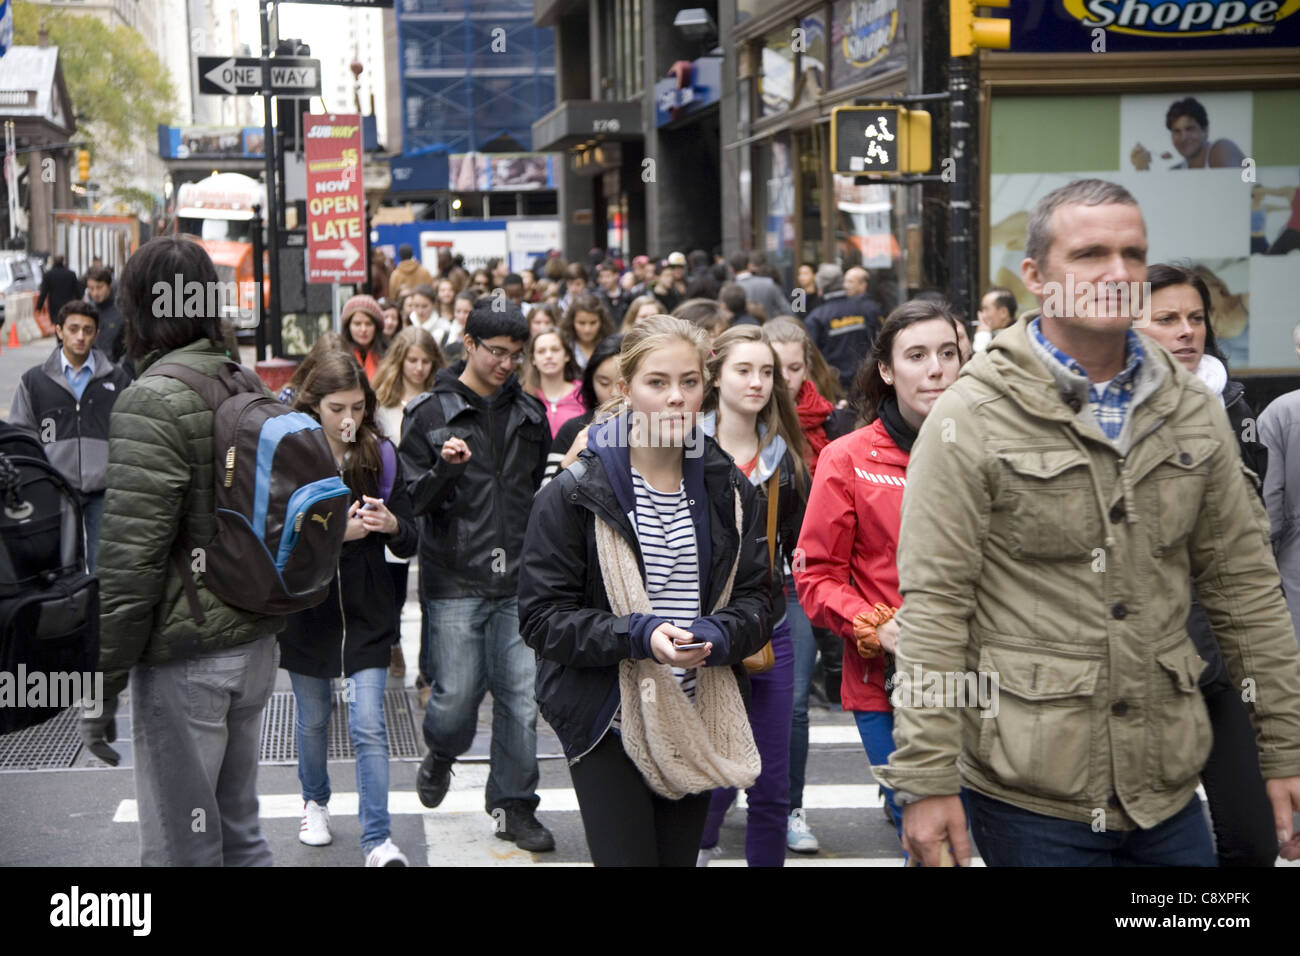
{"points": [[347, 252], [242, 75]]}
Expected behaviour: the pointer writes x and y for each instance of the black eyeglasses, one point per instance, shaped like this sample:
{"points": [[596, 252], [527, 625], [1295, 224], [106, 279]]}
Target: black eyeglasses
{"points": [[501, 355]]}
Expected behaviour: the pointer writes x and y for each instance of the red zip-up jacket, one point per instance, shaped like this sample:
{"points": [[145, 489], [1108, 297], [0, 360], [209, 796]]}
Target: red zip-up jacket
{"points": [[849, 545]]}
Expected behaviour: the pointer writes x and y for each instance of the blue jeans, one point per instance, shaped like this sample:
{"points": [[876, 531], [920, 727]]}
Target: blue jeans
{"points": [[474, 647], [1009, 836], [92, 515], [805, 662], [876, 728], [369, 733]]}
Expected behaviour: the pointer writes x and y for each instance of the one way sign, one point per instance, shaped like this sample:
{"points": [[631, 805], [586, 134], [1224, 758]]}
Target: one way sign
{"points": [[242, 75]]}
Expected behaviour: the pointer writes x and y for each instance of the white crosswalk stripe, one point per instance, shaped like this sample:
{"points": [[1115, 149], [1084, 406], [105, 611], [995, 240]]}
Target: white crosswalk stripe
{"points": [[463, 799]]}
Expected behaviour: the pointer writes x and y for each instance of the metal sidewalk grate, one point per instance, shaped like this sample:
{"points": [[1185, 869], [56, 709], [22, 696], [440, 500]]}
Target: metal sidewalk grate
{"points": [[279, 744], [52, 745]]}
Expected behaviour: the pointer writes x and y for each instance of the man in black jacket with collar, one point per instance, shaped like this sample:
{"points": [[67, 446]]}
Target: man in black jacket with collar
{"points": [[473, 452]]}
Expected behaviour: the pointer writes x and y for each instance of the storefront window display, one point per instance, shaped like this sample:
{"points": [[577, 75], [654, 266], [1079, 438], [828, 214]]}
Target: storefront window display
{"points": [[1217, 176], [867, 39], [776, 80], [867, 225], [812, 58], [776, 178]]}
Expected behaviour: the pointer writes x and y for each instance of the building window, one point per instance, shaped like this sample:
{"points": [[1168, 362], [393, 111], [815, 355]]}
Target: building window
{"points": [[812, 59], [868, 222], [775, 206], [621, 70], [776, 72]]}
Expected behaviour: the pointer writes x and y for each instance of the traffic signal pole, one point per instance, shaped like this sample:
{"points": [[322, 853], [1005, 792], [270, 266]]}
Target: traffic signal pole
{"points": [[967, 34], [960, 246], [272, 313]]}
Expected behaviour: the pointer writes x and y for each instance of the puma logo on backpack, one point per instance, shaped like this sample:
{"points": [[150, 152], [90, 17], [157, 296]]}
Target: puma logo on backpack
{"points": [[272, 471]]}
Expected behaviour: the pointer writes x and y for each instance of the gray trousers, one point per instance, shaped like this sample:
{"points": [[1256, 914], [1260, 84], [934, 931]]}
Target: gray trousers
{"points": [[195, 727]]}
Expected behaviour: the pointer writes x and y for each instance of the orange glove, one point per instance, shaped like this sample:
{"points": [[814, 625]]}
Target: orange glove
{"points": [[864, 629]]}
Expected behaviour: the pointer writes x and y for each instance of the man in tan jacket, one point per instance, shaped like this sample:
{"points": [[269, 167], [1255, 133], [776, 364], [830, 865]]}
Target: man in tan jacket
{"points": [[1060, 496], [408, 273]]}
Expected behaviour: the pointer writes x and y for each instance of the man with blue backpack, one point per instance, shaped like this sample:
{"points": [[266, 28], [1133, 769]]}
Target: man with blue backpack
{"points": [[223, 513]]}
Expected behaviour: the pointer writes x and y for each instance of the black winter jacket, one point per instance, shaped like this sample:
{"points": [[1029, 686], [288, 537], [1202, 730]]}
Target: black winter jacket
{"points": [[472, 516], [790, 505], [1255, 457], [59, 286], [564, 613], [352, 629], [112, 328]]}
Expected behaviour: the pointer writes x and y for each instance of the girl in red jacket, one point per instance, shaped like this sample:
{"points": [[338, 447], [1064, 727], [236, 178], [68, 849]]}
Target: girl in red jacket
{"points": [[849, 575]]}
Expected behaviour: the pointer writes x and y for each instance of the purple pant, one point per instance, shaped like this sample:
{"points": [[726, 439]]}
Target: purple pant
{"points": [[771, 708]]}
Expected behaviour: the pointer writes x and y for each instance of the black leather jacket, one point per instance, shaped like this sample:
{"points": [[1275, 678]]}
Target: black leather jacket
{"points": [[1255, 457], [472, 516]]}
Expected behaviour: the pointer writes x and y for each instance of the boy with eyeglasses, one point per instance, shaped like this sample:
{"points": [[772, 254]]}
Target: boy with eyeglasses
{"points": [[474, 449]]}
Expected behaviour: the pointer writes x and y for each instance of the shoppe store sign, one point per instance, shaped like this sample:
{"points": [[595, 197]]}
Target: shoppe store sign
{"points": [[866, 39], [1075, 26]]}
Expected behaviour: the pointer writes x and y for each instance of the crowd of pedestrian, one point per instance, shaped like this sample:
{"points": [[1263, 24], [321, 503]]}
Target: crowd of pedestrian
{"points": [[655, 500]]}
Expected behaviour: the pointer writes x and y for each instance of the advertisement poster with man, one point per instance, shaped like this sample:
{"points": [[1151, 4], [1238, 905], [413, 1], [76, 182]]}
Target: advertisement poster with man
{"points": [[1217, 175]]}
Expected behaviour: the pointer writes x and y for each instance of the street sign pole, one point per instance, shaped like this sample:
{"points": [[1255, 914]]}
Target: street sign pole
{"points": [[272, 210]]}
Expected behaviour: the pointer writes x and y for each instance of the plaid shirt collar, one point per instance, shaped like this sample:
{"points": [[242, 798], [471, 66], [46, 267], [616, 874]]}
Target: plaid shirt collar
{"points": [[1110, 407]]}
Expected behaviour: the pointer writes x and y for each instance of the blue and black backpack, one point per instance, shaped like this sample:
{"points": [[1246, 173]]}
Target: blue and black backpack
{"points": [[281, 507]]}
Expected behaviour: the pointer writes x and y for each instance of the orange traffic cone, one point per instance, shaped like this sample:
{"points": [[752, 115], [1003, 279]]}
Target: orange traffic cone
{"points": [[13, 335]]}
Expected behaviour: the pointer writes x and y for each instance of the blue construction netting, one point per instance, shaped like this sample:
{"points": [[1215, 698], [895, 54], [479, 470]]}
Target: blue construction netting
{"points": [[471, 69]]}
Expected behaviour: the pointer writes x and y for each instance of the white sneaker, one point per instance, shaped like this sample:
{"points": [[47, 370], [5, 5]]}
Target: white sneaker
{"points": [[315, 829], [797, 835], [386, 854], [712, 853]]}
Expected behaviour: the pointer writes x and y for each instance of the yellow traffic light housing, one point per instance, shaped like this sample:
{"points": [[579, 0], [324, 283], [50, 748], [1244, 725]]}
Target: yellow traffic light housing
{"points": [[914, 157], [968, 33], [83, 165], [883, 140]]}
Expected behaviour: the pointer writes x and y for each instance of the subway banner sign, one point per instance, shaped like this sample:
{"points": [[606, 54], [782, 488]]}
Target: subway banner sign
{"points": [[336, 218], [870, 140], [1113, 26]]}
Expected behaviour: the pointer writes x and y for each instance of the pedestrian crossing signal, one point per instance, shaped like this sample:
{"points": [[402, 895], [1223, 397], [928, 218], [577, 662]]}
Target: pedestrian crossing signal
{"points": [[880, 140], [83, 165], [968, 33]]}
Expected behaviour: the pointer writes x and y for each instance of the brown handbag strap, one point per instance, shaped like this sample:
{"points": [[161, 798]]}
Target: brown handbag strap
{"points": [[773, 490]]}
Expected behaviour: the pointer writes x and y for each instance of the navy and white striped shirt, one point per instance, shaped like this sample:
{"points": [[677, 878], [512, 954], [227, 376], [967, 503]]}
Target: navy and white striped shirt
{"points": [[666, 534]]}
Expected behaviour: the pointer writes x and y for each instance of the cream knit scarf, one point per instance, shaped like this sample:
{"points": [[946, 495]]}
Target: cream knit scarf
{"points": [[679, 748]]}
